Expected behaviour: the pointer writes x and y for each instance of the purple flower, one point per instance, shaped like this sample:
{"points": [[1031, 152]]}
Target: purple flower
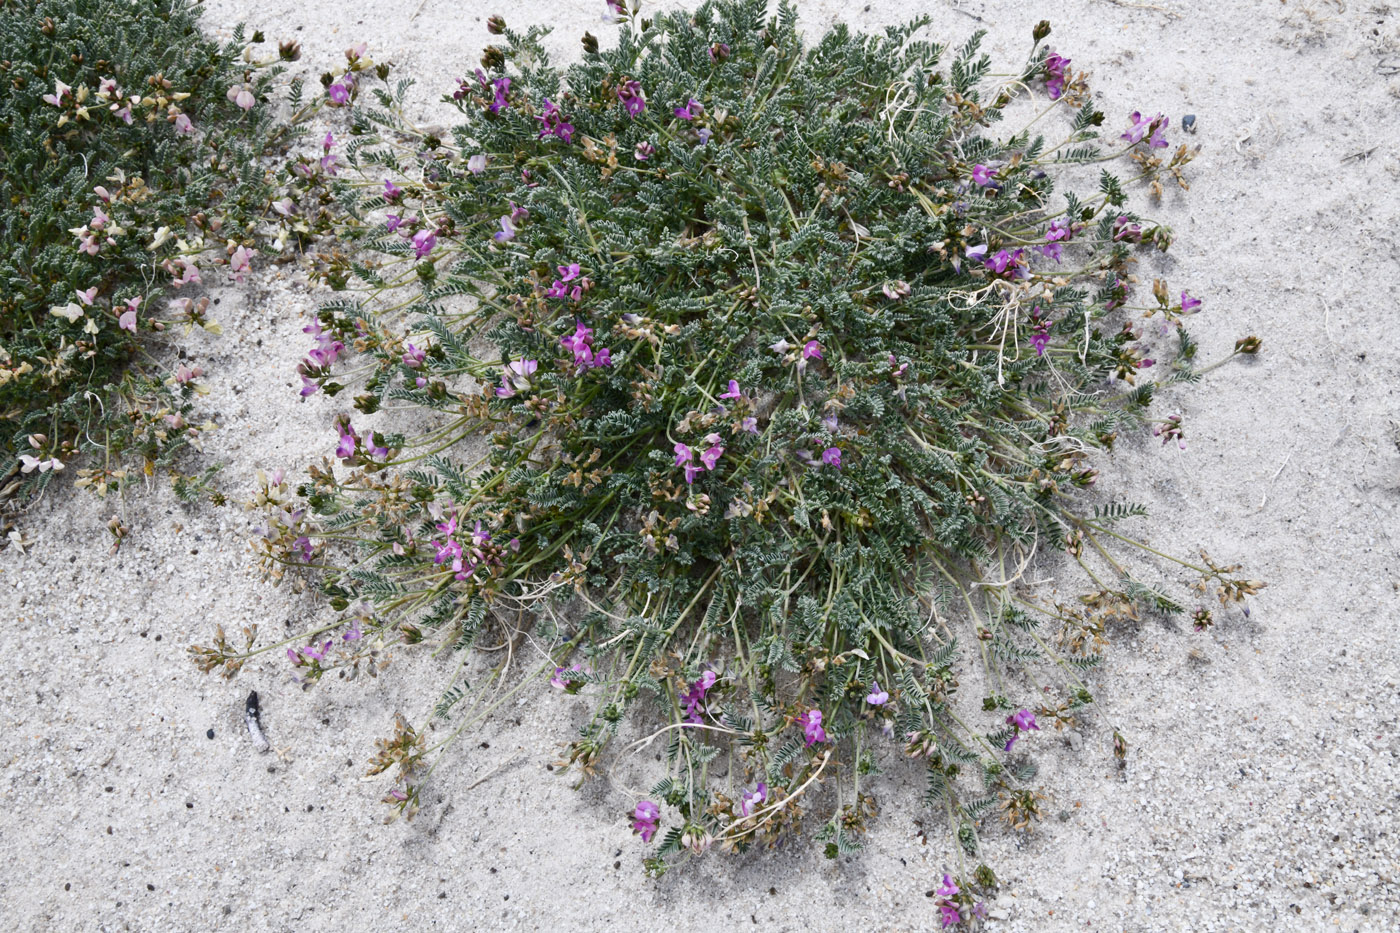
{"points": [[1040, 341], [1127, 231], [832, 457], [947, 888], [1060, 229], [1140, 126], [1189, 304], [719, 51], [977, 253], [553, 123], [644, 819], [711, 456], [734, 387], [695, 695], [704, 133], [346, 448], [423, 243], [1023, 720], [1055, 74], [373, 448], [749, 424], [507, 231], [1005, 260], [303, 544], [811, 350], [1053, 251], [501, 86], [413, 357], [562, 681], [477, 163], [644, 151], [1158, 141], [392, 222], [984, 176], [812, 726], [949, 915], [692, 472], [780, 346], [692, 109], [752, 798], [683, 454], [631, 96], [876, 696], [338, 93], [391, 191]]}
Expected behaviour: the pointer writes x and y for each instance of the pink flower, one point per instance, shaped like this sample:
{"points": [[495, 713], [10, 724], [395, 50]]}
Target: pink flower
{"points": [[684, 454], [1189, 304], [183, 125], [644, 151], [733, 390], [189, 272], [749, 424], [711, 456], [876, 696], [984, 176], [338, 93], [242, 95], [832, 457], [392, 192], [812, 726], [477, 164], [60, 92], [811, 350], [127, 321], [86, 298], [239, 264]]}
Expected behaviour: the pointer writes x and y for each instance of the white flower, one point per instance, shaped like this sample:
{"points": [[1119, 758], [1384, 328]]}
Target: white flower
{"points": [[70, 311]]}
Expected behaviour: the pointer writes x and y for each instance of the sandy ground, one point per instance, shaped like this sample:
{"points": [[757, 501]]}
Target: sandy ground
{"points": [[1263, 779]]}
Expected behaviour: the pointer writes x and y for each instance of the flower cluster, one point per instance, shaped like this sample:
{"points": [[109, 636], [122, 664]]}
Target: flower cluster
{"points": [[793, 389]]}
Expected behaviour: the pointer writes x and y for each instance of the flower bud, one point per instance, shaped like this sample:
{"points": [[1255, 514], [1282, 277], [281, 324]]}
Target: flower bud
{"points": [[1249, 344], [289, 51], [493, 57], [1041, 30], [495, 25], [590, 43]]}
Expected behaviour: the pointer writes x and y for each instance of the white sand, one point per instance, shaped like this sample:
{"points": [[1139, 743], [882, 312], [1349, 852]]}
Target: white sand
{"points": [[1263, 780]]}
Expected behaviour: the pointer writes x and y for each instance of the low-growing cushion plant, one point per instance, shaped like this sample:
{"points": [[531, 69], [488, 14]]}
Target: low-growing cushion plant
{"points": [[758, 376], [130, 150]]}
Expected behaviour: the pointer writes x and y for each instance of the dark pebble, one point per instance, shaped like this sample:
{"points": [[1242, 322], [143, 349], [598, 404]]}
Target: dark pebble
{"points": [[210, 733]]}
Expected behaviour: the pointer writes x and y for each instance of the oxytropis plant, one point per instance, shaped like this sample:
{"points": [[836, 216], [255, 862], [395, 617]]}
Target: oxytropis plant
{"points": [[787, 367]]}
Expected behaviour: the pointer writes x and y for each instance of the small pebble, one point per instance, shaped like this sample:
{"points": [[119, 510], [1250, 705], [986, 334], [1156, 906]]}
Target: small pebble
{"points": [[210, 733], [1188, 123]]}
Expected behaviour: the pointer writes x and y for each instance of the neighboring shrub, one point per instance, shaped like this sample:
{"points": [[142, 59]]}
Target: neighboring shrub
{"points": [[129, 148], [793, 371]]}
